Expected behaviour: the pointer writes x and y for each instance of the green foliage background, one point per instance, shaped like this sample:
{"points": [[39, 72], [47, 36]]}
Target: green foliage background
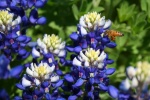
{"points": [[131, 17]]}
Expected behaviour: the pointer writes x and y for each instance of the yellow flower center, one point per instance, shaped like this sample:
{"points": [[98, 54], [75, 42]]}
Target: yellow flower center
{"points": [[92, 54], [52, 41], [5, 17], [92, 17], [41, 70]]}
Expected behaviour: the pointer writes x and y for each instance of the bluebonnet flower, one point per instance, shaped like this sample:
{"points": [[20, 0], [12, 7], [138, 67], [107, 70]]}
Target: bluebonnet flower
{"points": [[90, 32], [50, 44], [138, 79], [88, 64], [38, 81]]}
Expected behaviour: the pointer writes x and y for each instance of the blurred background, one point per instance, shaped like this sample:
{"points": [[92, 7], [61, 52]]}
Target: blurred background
{"points": [[130, 17]]}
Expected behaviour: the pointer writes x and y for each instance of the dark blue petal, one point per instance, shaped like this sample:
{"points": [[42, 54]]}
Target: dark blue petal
{"points": [[92, 80], [7, 51], [59, 72], [60, 98], [105, 40], [90, 94], [21, 38], [84, 44], [48, 96], [18, 85], [109, 61], [31, 3], [74, 97], [45, 84], [15, 72], [74, 36], [111, 45], [103, 87], [110, 71], [69, 78], [15, 45], [70, 48], [22, 45], [77, 49], [28, 39], [33, 16], [78, 83], [18, 98], [59, 83], [41, 21], [113, 92], [22, 52]]}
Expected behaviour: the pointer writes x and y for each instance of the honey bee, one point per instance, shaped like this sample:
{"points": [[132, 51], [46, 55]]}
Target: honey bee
{"points": [[112, 34]]}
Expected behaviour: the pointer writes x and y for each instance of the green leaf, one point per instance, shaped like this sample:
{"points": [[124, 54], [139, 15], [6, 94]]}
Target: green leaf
{"points": [[97, 9], [144, 5], [75, 11], [126, 11]]}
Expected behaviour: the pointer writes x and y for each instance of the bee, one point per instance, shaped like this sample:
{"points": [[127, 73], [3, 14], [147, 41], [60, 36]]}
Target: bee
{"points": [[112, 34]]}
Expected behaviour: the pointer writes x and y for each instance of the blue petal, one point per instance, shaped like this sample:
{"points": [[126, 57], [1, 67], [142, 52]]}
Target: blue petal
{"points": [[110, 71], [22, 52], [109, 61], [3, 3], [45, 84], [59, 72], [105, 40], [33, 16], [74, 97], [70, 48], [77, 49], [69, 78], [74, 36], [39, 4], [48, 96], [113, 92], [41, 20], [31, 3], [60, 98], [78, 83], [18, 98], [92, 80], [59, 83], [21, 38], [32, 44], [103, 87], [18, 85], [15, 72], [111, 45], [90, 94], [84, 44]]}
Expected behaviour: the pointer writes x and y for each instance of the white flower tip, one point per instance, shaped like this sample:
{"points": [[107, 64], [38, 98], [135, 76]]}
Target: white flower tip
{"points": [[54, 78], [134, 82], [131, 72], [35, 53], [83, 31], [107, 24], [76, 62], [25, 82]]}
